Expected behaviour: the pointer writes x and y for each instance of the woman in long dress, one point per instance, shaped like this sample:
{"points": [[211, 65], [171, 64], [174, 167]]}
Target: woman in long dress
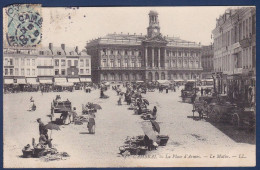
{"points": [[91, 123]]}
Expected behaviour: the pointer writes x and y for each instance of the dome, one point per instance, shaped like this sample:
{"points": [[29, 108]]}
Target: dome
{"points": [[153, 12]]}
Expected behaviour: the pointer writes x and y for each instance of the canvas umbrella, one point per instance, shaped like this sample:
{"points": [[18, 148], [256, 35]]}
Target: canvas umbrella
{"points": [[146, 101], [148, 131], [155, 126], [97, 106], [52, 126]]}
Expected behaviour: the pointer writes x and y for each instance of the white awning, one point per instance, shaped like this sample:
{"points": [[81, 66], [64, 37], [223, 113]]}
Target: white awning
{"points": [[64, 84], [60, 80], [209, 80], [21, 81], [8, 81], [73, 80], [31, 81], [164, 81], [139, 81], [85, 79], [45, 81], [178, 80], [190, 80]]}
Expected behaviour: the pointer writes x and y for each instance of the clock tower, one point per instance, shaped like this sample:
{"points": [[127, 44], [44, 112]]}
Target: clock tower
{"points": [[154, 28]]}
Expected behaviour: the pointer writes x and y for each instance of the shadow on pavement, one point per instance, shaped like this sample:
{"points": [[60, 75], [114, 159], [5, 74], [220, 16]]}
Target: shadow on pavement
{"points": [[238, 135]]}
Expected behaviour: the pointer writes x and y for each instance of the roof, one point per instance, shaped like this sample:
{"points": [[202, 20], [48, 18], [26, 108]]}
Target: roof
{"points": [[134, 39], [152, 12]]}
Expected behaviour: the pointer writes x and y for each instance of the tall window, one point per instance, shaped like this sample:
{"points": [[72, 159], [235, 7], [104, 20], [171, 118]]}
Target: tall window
{"points": [[139, 63], [6, 61], [104, 63], [75, 62], [111, 63], [28, 72], [11, 72], [62, 71], [119, 63], [133, 63], [56, 71], [33, 72], [56, 62], [16, 61], [81, 71], [6, 72], [126, 63], [11, 62], [28, 62], [22, 71], [63, 62], [87, 71], [16, 71], [87, 62], [33, 62], [69, 63], [81, 63]]}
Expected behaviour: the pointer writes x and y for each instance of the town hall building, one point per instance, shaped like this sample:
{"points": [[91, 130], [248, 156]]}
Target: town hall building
{"points": [[127, 58]]}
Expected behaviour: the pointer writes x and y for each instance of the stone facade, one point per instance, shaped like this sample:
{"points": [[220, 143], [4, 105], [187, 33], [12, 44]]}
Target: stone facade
{"points": [[207, 54], [125, 57], [234, 41], [26, 65]]}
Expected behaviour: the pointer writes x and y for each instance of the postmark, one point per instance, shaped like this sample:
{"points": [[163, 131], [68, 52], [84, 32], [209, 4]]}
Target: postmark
{"points": [[24, 25]]}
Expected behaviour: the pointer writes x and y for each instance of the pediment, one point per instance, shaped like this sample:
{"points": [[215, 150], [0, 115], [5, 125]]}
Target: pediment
{"points": [[157, 39]]}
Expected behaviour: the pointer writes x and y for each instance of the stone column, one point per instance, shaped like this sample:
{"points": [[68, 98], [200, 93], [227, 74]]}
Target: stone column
{"points": [[165, 56], [159, 57], [146, 58], [152, 57]]}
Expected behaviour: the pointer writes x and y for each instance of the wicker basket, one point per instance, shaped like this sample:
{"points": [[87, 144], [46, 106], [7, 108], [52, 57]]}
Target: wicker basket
{"points": [[163, 140], [27, 153]]}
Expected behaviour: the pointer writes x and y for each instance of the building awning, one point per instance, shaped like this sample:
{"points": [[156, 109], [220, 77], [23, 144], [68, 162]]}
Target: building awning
{"points": [[209, 80], [190, 80], [64, 84], [164, 81], [73, 80], [85, 79], [45, 81], [60, 80], [8, 81], [21, 81], [31, 81], [178, 80]]}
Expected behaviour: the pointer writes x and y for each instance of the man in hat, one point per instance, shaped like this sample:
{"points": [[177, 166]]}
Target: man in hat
{"points": [[41, 126]]}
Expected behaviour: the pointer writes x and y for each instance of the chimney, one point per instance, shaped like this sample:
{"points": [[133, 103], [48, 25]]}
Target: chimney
{"points": [[121, 32], [63, 47], [77, 50], [51, 47], [134, 33], [141, 33]]}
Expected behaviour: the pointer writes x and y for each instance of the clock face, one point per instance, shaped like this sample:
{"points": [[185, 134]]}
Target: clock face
{"points": [[155, 30]]}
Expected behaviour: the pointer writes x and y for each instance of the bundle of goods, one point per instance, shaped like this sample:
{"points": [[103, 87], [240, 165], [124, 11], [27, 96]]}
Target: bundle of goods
{"points": [[133, 146], [79, 120], [37, 151]]}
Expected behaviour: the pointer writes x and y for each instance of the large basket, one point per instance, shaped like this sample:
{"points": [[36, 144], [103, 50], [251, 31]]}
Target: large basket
{"points": [[163, 139], [27, 153], [142, 150], [39, 152]]}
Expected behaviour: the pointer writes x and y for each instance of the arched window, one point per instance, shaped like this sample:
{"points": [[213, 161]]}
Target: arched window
{"points": [[163, 76]]}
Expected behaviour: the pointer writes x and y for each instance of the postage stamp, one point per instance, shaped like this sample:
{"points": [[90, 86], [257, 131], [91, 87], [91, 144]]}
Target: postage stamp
{"points": [[24, 24]]}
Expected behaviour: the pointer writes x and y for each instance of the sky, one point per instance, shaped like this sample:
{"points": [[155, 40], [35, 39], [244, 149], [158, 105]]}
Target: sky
{"points": [[76, 26]]}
